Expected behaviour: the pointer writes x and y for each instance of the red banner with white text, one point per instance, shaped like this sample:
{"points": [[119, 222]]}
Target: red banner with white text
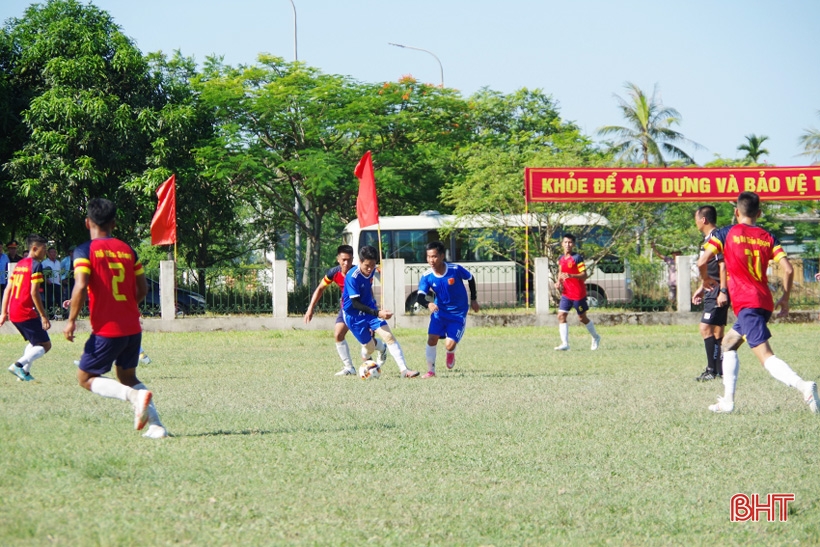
{"points": [[670, 184]]}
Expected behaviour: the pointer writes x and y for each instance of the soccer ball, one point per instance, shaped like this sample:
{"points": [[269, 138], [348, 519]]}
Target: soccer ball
{"points": [[368, 370]]}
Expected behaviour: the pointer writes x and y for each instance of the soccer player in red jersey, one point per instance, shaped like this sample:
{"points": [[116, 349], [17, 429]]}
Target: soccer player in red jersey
{"points": [[108, 272], [747, 250], [24, 306], [336, 274], [572, 276]]}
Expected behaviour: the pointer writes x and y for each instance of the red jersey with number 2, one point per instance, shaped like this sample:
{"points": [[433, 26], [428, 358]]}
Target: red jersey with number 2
{"points": [[574, 287], [747, 251], [112, 266]]}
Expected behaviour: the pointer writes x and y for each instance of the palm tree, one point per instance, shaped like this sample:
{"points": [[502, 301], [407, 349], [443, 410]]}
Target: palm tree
{"points": [[752, 147], [810, 140], [649, 135]]}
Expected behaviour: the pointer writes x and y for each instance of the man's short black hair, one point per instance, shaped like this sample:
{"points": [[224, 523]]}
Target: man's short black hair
{"points": [[368, 252], [344, 249], [748, 203], [101, 211], [569, 236], [35, 238], [437, 246], [708, 213]]}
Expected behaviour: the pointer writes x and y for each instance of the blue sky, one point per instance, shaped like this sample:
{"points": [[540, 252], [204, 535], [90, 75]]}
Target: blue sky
{"points": [[730, 67]]}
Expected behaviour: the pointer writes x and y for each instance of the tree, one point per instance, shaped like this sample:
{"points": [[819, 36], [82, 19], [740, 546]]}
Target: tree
{"points": [[810, 141], [649, 136], [85, 87], [753, 147]]}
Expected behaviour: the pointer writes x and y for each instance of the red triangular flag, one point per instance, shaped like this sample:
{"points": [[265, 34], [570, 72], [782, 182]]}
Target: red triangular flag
{"points": [[164, 223], [367, 206]]}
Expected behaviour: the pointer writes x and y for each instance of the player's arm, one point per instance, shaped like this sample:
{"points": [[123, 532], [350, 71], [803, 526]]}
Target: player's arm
{"points": [[473, 294], [78, 296], [4, 310], [723, 295], [703, 266], [787, 276], [38, 304], [317, 294], [357, 303]]}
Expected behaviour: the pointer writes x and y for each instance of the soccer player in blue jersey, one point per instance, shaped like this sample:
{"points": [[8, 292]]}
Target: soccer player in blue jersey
{"points": [[363, 317], [747, 250], [450, 306], [108, 272]]}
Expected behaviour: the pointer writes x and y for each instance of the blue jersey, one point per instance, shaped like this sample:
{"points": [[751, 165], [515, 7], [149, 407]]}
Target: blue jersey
{"points": [[358, 285], [451, 296]]}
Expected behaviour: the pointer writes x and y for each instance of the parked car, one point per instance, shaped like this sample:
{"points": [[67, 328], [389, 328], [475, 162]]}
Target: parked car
{"points": [[188, 302]]}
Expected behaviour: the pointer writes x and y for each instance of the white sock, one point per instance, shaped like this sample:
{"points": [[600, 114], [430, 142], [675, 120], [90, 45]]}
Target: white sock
{"points": [[398, 355], [153, 415], [112, 389], [563, 330], [31, 354], [782, 372], [731, 367], [344, 352], [365, 355], [430, 353], [380, 345], [591, 329]]}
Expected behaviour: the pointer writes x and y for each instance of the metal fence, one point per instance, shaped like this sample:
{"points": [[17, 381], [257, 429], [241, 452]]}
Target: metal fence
{"points": [[503, 288]]}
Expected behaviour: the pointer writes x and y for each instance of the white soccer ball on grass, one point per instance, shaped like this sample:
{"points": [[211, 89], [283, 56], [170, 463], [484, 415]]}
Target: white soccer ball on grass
{"points": [[368, 370]]}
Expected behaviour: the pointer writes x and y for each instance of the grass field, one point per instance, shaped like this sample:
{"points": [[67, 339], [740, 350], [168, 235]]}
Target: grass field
{"points": [[519, 445]]}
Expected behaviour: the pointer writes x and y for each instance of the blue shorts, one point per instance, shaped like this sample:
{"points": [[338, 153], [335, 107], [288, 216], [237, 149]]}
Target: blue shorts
{"points": [[751, 324], [450, 326], [32, 330], [100, 353], [566, 304], [362, 326]]}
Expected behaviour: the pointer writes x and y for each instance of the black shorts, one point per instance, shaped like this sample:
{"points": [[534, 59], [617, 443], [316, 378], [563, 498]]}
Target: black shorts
{"points": [[713, 314]]}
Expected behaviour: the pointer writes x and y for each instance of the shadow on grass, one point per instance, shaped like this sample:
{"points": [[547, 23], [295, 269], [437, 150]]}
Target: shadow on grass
{"points": [[286, 430]]}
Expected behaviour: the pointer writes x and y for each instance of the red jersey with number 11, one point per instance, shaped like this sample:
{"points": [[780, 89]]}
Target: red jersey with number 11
{"points": [[747, 251], [112, 266]]}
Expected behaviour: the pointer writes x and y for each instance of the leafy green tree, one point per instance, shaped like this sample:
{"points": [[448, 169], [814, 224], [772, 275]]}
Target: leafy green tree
{"points": [[753, 147], [85, 86], [810, 141], [648, 136]]}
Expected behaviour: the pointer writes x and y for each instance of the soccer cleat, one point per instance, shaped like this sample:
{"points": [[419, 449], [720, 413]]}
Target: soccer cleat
{"points": [[381, 356], [144, 359], [346, 372], [705, 376], [141, 408], [562, 347], [810, 396], [155, 432], [21, 374], [595, 341], [723, 406], [407, 373], [451, 360], [430, 374]]}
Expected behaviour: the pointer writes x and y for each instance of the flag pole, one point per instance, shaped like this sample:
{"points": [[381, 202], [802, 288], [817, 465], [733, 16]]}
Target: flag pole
{"points": [[379, 232], [526, 253]]}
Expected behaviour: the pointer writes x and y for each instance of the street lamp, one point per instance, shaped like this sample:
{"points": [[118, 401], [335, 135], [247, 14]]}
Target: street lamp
{"points": [[295, 53], [441, 68]]}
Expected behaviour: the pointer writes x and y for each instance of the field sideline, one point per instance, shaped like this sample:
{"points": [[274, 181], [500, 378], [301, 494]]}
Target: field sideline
{"points": [[518, 445]]}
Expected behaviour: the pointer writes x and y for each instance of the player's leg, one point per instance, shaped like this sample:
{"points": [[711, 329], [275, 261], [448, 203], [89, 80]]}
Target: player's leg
{"points": [[455, 330], [731, 365], [126, 366], [394, 348], [707, 332], [435, 331], [38, 345], [339, 332], [718, 355], [563, 327], [128, 376], [782, 372], [582, 306]]}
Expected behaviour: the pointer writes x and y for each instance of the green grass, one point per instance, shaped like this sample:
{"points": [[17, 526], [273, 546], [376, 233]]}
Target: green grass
{"points": [[519, 445]]}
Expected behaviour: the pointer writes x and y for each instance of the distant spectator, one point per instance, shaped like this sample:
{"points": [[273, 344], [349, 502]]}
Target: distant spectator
{"points": [[66, 273], [4, 270], [11, 251], [53, 286], [672, 268]]}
